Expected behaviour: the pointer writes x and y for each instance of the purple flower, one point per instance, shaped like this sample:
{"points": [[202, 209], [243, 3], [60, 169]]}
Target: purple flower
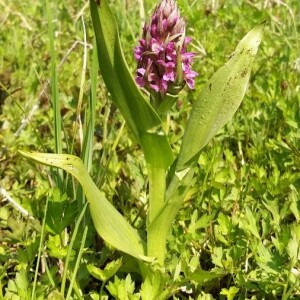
{"points": [[164, 64]]}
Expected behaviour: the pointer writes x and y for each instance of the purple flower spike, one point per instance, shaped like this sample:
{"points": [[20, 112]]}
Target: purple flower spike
{"points": [[164, 65]]}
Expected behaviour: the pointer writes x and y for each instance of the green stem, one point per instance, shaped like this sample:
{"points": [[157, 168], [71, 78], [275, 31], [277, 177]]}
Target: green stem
{"points": [[157, 188], [158, 229], [156, 247]]}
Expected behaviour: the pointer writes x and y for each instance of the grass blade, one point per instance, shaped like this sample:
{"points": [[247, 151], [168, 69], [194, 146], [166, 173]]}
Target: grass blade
{"points": [[54, 94]]}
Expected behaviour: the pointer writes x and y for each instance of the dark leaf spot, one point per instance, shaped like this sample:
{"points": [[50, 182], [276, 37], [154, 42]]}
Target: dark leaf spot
{"points": [[244, 73]]}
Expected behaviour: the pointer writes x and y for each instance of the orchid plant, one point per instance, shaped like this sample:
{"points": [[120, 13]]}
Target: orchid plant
{"points": [[164, 68]]}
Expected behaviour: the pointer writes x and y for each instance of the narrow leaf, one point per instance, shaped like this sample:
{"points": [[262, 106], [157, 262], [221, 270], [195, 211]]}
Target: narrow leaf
{"points": [[219, 99], [141, 118], [109, 223]]}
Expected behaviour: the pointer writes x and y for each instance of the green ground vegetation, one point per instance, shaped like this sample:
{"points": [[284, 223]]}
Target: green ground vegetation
{"points": [[242, 215]]}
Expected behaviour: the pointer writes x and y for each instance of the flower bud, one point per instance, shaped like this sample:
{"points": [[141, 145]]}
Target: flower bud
{"points": [[164, 65]]}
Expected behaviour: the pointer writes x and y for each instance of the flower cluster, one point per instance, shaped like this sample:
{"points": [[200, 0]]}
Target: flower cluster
{"points": [[164, 65]]}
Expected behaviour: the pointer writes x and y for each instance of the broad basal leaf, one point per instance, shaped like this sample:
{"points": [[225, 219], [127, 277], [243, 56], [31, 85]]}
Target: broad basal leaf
{"points": [[109, 223]]}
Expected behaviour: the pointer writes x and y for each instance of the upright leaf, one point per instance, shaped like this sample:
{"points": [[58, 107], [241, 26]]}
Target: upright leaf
{"points": [[219, 99], [138, 113]]}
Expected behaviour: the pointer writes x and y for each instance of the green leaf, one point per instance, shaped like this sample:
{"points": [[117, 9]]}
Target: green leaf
{"points": [[249, 223], [141, 118], [219, 99], [56, 249], [293, 249], [153, 287], [294, 196], [109, 223], [122, 289], [19, 288], [110, 270], [201, 276], [230, 293], [55, 295], [60, 213]]}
